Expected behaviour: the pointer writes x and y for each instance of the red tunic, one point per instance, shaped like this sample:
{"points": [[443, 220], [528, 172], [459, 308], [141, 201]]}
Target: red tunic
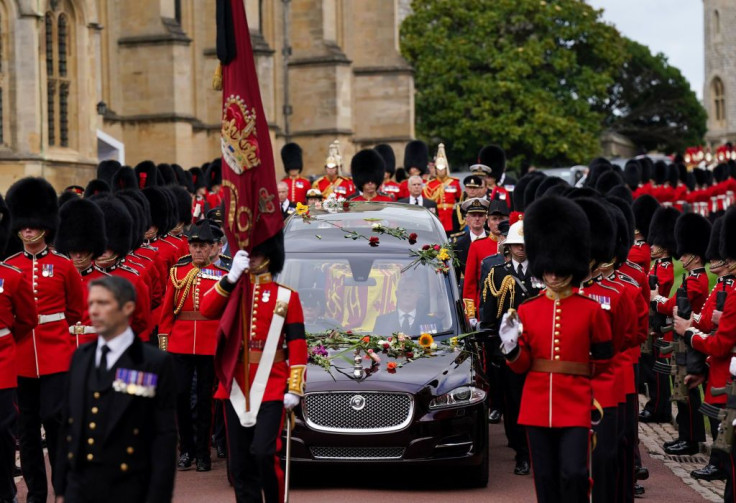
{"points": [[298, 188], [403, 189], [641, 255], [190, 336], [180, 242], [199, 208], [501, 194], [573, 329], [479, 249], [264, 294], [378, 199], [58, 293], [663, 269], [391, 189], [445, 193], [141, 322], [85, 325], [341, 186], [148, 267], [214, 199], [18, 315], [697, 292]]}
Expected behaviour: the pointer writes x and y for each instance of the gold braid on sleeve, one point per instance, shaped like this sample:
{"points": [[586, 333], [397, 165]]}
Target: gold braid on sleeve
{"points": [[508, 287], [185, 284]]}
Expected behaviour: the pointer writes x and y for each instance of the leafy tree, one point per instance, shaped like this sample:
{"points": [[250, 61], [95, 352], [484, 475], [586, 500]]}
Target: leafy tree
{"points": [[529, 75], [652, 104]]}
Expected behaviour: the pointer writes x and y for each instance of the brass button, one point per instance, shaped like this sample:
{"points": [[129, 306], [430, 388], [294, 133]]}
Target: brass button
{"points": [[130, 450], [71, 420], [70, 456], [557, 349], [68, 438], [557, 357], [557, 332], [96, 394], [557, 341], [95, 410], [557, 325], [559, 311], [91, 441], [557, 318], [90, 456], [92, 426], [123, 467], [136, 431]]}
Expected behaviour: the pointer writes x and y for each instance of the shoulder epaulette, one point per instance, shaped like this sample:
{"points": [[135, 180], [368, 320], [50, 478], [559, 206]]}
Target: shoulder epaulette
{"points": [[60, 254], [665, 264], [219, 267], [11, 267], [14, 255], [537, 296], [226, 257], [627, 279], [186, 259], [634, 265], [586, 297], [609, 287], [128, 269]]}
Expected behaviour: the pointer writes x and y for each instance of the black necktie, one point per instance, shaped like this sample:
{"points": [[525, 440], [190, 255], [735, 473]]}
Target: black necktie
{"points": [[102, 369], [405, 325], [416, 201], [520, 271]]}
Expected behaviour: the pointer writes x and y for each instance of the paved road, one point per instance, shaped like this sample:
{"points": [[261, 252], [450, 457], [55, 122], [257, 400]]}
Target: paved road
{"points": [[359, 483]]}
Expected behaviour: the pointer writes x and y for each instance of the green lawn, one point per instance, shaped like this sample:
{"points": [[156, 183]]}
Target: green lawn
{"points": [[678, 277]]}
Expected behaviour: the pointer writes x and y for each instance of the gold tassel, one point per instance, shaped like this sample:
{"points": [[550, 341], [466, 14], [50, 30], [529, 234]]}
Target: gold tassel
{"points": [[217, 78]]}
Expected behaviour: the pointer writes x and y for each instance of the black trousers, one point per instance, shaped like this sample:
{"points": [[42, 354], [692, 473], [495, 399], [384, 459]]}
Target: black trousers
{"points": [[218, 425], [690, 422], [494, 363], [39, 403], [560, 461], [659, 386], [512, 385], [8, 418], [621, 492], [605, 457], [255, 467], [631, 435], [104, 484], [194, 439], [717, 458]]}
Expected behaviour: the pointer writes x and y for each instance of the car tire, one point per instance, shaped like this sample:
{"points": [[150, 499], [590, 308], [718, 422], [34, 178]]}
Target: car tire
{"points": [[478, 475]]}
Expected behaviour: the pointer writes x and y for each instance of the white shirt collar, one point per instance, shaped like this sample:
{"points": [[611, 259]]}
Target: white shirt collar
{"points": [[524, 265], [412, 315], [413, 199], [473, 237], [118, 345]]}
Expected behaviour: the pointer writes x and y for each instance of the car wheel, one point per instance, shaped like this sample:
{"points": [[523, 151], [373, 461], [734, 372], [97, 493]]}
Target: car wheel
{"points": [[478, 475]]}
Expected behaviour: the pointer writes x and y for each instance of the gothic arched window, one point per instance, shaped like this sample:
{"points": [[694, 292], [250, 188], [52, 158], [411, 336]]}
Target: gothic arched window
{"points": [[58, 51], [716, 23], [719, 100]]}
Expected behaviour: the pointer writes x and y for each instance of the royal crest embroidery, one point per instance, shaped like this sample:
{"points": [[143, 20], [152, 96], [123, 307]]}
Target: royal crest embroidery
{"points": [[265, 201], [239, 143]]}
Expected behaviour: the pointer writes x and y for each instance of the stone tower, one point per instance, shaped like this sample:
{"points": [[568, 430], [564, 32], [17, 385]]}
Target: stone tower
{"points": [[719, 93]]}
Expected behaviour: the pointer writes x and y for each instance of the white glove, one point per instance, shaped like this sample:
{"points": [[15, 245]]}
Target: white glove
{"points": [[509, 333], [473, 322], [732, 366], [241, 262], [291, 400]]}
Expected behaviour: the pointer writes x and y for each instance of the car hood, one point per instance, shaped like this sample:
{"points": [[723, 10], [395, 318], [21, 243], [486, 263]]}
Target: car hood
{"points": [[444, 371]]}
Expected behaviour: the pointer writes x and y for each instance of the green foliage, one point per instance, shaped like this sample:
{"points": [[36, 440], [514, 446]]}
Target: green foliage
{"points": [[529, 75], [652, 103]]}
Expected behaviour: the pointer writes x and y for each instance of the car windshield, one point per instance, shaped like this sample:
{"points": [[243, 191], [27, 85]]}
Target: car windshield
{"points": [[366, 294]]}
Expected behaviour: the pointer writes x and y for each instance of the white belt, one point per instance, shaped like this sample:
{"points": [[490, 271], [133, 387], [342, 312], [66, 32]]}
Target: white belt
{"points": [[79, 330], [4, 332], [48, 318]]}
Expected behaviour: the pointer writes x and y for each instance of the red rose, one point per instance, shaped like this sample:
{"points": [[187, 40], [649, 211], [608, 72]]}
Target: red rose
{"points": [[409, 354], [373, 241], [412, 238], [391, 366], [436, 247], [425, 247], [366, 339], [346, 205]]}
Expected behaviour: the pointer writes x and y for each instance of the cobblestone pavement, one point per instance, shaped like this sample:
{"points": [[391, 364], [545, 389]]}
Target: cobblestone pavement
{"points": [[651, 438]]}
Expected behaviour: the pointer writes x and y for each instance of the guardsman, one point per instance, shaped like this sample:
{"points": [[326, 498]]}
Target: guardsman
{"points": [[332, 181], [291, 156], [662, 244], [367, 168], [643, 208], [82, 238], [389, 187], [214, 183], [167, 253], [705, 325], [199, 202], [692, 233], [494, 157], [475, 213], [192, 339], [505, 287], [18, 317], [416, 161], [119, 230], [255, 409], [480, 249], [474, 188], [561, 338], [119, 433], [444, 189], [181, 214], [42, 360]]}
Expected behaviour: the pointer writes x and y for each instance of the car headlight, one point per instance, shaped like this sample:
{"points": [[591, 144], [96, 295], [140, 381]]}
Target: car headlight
{"points": [[459, 397]]}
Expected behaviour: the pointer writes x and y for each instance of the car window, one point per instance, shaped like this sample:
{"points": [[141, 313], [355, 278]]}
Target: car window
{"points": [[369, 295]]}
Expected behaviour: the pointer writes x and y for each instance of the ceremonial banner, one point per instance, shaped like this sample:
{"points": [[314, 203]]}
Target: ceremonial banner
{"points": [[251, 211]]}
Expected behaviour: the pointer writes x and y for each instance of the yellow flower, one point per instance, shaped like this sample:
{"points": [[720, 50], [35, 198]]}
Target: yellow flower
{"points": [[454, 341], [425, 340], [443, 255], [301, 209]]}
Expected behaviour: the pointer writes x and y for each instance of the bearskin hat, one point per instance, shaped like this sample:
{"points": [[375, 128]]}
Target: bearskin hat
{"points": [[367, 166], [118, 224], [713, 252], [644, 208], [673, 175], [33, 203], [720, 172], [728, 235], [147, 174], [602, 229], [68, 195], [159, 205], [5, 225], [81, 228], [96, 186], [632, 174], [123, 179], [198, 179], [662, 229], [385, 150], [557, 238], [682, 171], [608, 180], [494, 157], [700, 177], [518, 193], [622, 192], [291, 156], [172, 207], [141, 201], [273, 249], [596, 168], [560, 190], [690, 181], [530, 192], [692, 233], [167, 173], [416, 155], [547, 183], [183, 205], [578, 192], [107, 169], [214, 174], [731, 168], [660, 172], [139, 221], [624, 220]]}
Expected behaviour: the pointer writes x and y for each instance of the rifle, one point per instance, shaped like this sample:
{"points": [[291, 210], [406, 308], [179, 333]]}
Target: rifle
{"points": [[657, 323], [678, 371], [727, 415]]}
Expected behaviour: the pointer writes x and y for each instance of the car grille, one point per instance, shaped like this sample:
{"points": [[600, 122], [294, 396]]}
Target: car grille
{"points": [[357, 453], [341, 411]]}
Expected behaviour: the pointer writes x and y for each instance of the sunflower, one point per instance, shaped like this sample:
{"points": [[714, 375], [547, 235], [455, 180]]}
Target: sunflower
{"points": [[425, 340], [302, 209]]}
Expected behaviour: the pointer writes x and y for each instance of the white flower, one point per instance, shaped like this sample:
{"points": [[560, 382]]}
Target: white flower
{"points": [[377, 227], [433, 346]]}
